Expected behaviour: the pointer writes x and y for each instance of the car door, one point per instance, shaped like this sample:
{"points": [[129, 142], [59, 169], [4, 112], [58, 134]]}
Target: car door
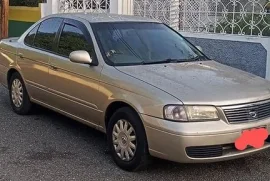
{"points": [[74, 86], [33, 58]]}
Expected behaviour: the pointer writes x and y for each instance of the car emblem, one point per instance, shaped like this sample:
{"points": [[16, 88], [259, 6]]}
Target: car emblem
{"points": [[253, 114]]}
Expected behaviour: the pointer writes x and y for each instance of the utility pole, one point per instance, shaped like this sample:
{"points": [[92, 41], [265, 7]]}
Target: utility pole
{"points": [[4, 18]]}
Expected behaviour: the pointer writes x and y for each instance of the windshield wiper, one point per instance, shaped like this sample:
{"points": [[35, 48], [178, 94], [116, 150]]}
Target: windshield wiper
{"points": [[196, 58], [169, 60]]}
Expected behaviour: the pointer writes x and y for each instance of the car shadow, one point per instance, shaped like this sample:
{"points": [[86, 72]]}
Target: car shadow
{"points": [[89, 134], [96, 141], [74, 127]]}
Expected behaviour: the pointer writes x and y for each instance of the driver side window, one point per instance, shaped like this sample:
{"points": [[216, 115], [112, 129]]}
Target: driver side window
{"points": [[72, 39]]}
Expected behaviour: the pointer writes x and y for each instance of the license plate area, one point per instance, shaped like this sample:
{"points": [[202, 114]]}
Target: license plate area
{"points": [[253, 137]]}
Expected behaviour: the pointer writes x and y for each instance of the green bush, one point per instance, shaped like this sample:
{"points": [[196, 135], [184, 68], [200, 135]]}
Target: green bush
{"points": [[30, 3]]}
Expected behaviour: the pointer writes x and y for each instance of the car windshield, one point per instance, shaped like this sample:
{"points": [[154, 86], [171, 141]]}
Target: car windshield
{"points": [[143, 43]]}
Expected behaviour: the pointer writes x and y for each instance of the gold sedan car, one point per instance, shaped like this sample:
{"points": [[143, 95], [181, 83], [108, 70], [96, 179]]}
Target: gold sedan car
{"points": [[140, 82]]}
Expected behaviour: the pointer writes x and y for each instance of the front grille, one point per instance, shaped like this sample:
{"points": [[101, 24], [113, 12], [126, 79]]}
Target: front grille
{"points": [[249, 112], [204, 151]]}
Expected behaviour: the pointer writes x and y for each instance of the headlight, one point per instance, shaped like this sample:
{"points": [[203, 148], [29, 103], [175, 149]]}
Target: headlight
{"points": [[190, 113], [175, 113]]}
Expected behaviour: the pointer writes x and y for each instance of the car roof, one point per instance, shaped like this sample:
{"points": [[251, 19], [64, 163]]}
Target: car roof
{"points": [[105, 17]]}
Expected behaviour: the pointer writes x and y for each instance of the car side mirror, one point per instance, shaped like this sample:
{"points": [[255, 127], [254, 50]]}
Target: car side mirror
{"points": [[199, 48], [80, 56]]}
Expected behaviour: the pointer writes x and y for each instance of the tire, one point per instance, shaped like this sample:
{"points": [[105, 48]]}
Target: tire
{"points": [[140, 158], [23, 107]]}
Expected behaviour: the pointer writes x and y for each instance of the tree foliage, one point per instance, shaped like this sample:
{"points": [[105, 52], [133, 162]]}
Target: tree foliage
{"points": [[30, 3]]}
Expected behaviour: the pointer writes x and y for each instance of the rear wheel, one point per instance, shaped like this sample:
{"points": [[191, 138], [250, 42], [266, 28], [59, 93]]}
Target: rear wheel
{"points": [[19, 98], [127, 140]]}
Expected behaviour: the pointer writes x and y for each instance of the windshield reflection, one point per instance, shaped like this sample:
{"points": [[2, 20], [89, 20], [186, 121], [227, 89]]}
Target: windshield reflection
{"points": [[143, 43]]}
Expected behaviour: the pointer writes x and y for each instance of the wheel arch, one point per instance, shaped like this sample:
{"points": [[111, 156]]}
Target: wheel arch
{"points": [[10, 72], [114, 106]]}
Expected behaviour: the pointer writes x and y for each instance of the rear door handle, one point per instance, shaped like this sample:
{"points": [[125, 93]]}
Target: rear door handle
{"points": [[54, 67], [20, 55]]}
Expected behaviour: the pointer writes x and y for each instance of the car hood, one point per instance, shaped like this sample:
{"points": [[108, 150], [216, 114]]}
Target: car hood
{"points": [[205, 82]]}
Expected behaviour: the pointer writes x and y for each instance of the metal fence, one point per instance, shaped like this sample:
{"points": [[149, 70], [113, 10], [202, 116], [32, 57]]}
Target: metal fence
{"points": [[243, 17], [166, 11], [84, 6]]}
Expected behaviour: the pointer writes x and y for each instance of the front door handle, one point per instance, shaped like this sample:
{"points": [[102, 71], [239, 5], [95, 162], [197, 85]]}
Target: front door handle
{"points": [[20, 55], [54, 68]]}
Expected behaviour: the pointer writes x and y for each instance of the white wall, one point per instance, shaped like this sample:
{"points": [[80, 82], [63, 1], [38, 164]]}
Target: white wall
{"points": [[122, 7], [51, 7]]}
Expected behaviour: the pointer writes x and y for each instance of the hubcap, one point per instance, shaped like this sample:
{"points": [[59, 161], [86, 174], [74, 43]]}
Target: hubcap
{"points": [[17, 93], [124, 140]]}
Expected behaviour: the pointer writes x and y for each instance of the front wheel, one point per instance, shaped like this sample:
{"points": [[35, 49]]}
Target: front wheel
{"points": [[127, 140], [19, 98]]}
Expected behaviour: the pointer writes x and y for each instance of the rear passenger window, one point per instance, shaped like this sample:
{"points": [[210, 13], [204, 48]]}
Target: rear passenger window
{"points": [[72, 39], [29, 39], [46, 33]]}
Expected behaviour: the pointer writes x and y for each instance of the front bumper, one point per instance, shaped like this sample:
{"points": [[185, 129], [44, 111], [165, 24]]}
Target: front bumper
{"points": [[172, 140]]}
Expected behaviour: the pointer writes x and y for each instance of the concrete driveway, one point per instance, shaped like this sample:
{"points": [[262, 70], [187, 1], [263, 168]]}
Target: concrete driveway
{"points": [[49, 146]]}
